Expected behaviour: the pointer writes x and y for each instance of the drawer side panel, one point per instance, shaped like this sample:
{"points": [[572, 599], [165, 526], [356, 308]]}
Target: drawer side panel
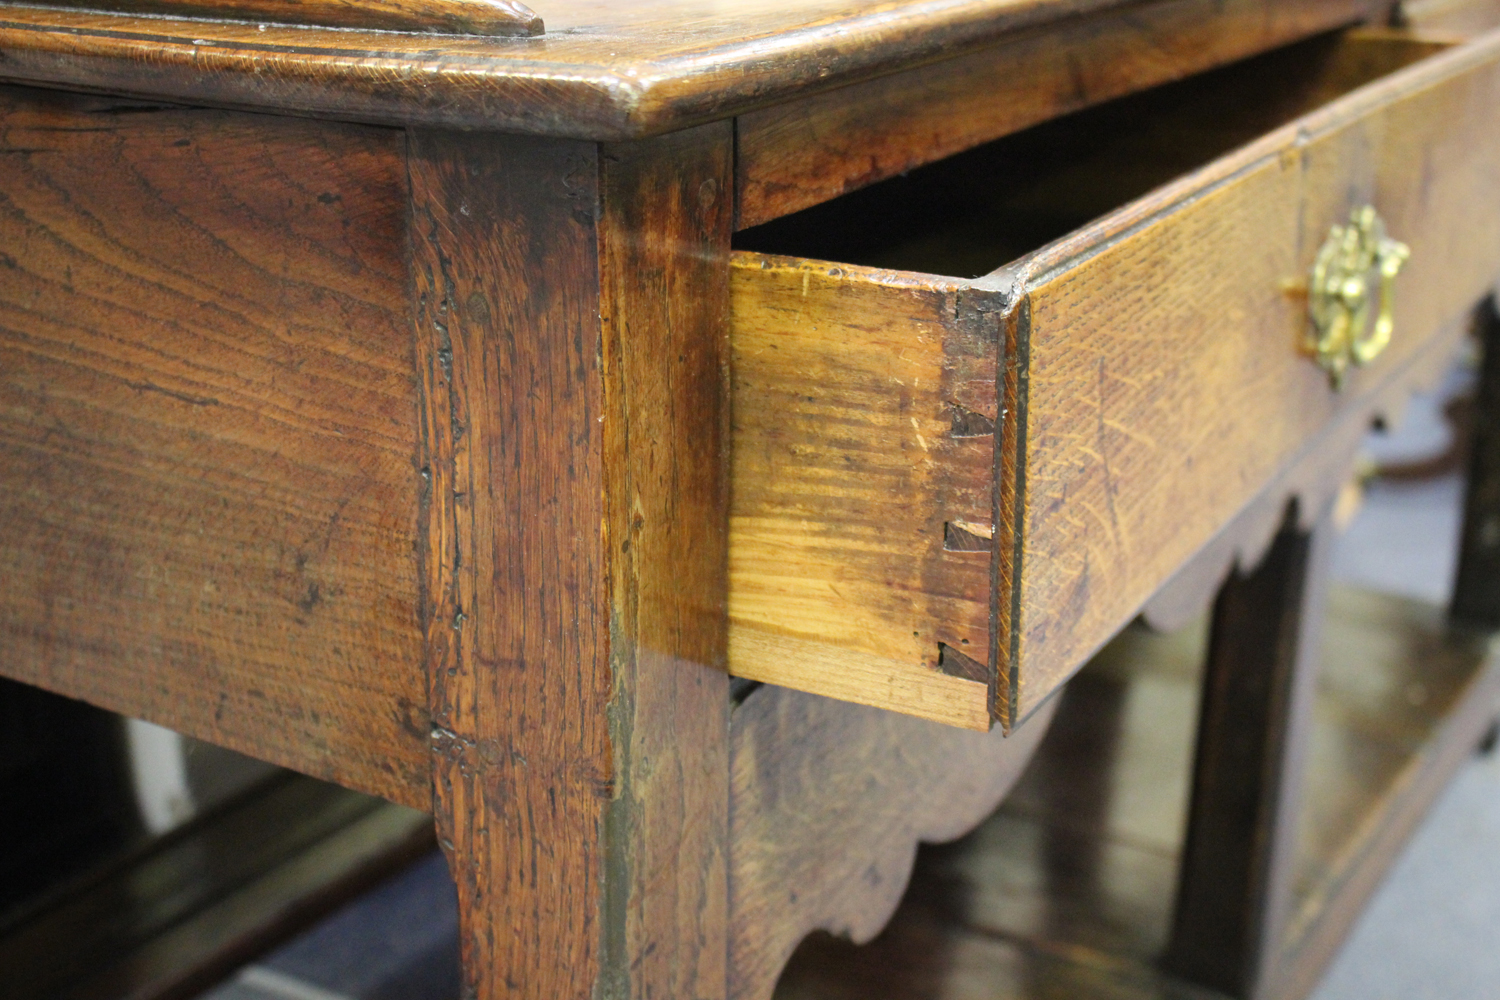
{"points": [[860, 528]]}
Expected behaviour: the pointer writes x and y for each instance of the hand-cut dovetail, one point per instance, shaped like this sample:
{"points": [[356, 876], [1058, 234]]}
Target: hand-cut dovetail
{"points": [[966, 536], [957, 664], [968, 423]]}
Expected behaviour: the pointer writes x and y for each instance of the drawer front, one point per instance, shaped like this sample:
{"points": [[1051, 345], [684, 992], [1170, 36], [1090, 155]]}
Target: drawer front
{"points": [[1166, 378], [1155, 381]]}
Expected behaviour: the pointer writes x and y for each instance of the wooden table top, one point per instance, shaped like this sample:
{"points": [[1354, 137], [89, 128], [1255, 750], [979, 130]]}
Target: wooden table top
{"points": [[599, 69]]}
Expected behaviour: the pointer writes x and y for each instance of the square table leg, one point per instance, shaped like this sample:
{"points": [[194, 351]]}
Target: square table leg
{"points": [[571, 308]]}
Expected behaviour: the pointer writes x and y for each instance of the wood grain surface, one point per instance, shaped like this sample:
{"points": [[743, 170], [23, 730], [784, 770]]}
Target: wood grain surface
{"points": [[664, 243], [207, 430], [515, 574], [829, 802], [1199, 387], [470, 17], [864, 409], [1176, 317], [1309, 484], [801, 152], [570, 312], [605, 69]]}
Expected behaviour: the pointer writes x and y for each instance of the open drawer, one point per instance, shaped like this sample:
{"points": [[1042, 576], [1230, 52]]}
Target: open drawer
{"points": [[949, 491]]}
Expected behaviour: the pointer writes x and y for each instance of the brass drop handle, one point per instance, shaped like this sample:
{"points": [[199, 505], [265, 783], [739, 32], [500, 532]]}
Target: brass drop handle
{"points": [[1338, 299]]}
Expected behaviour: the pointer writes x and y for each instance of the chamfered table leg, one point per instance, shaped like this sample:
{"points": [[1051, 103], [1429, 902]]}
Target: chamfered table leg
{"points": [[571, 322], [1260, 679]]}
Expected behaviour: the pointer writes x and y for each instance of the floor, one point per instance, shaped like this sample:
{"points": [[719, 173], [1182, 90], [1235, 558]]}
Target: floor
{"points": [[1430, 932], [397, 942]]}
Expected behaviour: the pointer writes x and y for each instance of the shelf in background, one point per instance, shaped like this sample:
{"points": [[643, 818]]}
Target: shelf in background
{"points": [[186, 909], [1067, 890]]}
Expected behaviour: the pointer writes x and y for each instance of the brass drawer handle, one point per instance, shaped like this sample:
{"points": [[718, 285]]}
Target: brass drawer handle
{"points": [[1339, 293]]}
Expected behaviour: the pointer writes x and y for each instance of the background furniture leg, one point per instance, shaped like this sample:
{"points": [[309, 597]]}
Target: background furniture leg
{"points": [[1476, 589], [1233, 895]]}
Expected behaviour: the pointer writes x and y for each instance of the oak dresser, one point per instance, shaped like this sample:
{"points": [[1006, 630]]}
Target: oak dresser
{"points": [[687, 444]]}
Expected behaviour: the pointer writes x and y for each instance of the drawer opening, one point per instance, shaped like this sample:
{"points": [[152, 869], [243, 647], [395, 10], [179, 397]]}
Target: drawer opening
{"points": [[925, 465], [980, 210]]}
